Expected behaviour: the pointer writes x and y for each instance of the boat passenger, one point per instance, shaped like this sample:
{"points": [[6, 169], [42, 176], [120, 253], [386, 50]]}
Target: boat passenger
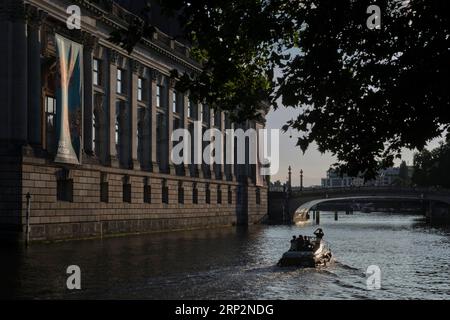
{"points": [[307, 244], [293, 244], [319, 233], [300, 242]]}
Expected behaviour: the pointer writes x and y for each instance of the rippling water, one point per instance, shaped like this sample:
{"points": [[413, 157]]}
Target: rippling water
{"points": [[240, 264]]}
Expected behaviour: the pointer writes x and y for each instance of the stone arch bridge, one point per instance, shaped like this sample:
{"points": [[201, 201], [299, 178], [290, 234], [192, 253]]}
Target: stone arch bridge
{"points": [[284, 204]]}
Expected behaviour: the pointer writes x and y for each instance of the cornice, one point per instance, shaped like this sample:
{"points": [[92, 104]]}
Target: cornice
{"points": [[116, 22], [105, 15], [35, 17]]}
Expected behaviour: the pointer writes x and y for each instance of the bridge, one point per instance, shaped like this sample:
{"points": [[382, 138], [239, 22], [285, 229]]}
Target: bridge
{"points": [[283, 204]]}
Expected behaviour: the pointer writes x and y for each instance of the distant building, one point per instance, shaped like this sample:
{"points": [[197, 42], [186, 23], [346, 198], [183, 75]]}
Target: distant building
{"points": [[386, 177], [334, 180]]}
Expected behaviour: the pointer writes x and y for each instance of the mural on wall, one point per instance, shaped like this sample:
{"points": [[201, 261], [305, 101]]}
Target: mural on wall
{"points": [[69, 94]]}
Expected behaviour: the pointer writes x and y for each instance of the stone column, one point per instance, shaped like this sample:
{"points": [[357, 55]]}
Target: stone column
{"points": [[221, 167], [35, 20], [171, 89], [254, 165], [257, 168], [227, 150], [199, 167], [186, 127], [111, 149], [19, 71], [212, 117], [232, 156], [89, 43], [135, 66], [153, 118]]}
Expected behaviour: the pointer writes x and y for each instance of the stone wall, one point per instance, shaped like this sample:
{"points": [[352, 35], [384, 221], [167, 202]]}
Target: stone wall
{"points": [[86, 216]]}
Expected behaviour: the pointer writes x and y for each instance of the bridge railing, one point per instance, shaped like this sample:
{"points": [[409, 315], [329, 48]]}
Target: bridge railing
{"points": [[387, 189]]}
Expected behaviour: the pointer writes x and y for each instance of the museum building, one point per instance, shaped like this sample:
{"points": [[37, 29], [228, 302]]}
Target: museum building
{"points": [[85, 130]]}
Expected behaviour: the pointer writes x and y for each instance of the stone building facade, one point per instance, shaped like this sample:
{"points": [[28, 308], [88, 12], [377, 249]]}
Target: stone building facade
{"points": [[124, 180]]}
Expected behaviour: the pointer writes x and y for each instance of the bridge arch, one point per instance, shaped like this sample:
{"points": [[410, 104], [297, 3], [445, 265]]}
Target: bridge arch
{"points": [[284, 205]]}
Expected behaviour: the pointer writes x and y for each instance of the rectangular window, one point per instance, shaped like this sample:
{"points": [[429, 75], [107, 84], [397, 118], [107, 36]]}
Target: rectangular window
{"points": [[96, 72], [158, 96], [50, 110], [160, 136], [174, 102], [64, 190], [140, 133], [230, 195], [117, 128], [219, 195], [140, 92], [189, 109], [258, 196], [195, 194], [50, 121], [126, 192], [104, 192], [147, 194], [119, 81], [165, 192], [94, 133], [208, 194], [180, 193]]}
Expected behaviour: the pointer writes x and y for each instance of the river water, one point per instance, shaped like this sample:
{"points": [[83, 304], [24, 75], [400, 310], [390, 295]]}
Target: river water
{"points": [[230, 263]]}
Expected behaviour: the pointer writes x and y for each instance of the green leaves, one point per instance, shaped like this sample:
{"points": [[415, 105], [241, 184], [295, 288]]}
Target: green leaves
{"points": [[432, 168]]}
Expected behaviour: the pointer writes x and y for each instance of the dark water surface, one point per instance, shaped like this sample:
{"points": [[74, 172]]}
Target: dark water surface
{"points": [[240, 264]]}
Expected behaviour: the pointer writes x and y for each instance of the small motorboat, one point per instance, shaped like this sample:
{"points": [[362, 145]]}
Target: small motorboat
{"points": [[309, 252]]}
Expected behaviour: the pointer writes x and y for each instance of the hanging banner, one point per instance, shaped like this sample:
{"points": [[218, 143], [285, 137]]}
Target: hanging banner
{"points": [[69, 93]]}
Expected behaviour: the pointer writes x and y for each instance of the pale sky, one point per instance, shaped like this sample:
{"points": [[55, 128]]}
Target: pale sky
{"points": [[313, 163]]}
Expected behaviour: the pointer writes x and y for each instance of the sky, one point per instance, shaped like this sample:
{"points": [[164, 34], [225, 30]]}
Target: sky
{"points": [[313, 163]]}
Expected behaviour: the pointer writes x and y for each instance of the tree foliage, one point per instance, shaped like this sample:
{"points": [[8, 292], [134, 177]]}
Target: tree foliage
{"points": [[363, 94], [432, 168]]}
